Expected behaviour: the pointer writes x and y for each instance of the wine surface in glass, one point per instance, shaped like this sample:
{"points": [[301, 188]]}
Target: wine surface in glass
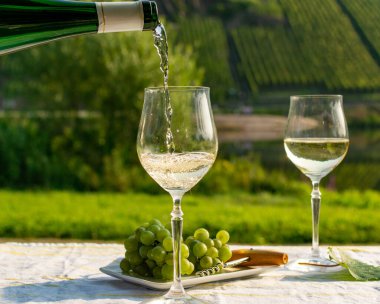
{"points": [[177, 171], [316, 157]]}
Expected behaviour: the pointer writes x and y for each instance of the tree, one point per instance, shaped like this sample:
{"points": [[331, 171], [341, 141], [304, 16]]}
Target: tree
{"points": [[104, 77]]}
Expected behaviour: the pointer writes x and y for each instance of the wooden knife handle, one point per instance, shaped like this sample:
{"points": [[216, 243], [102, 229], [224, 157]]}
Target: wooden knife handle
{"points": [[259, 257]]}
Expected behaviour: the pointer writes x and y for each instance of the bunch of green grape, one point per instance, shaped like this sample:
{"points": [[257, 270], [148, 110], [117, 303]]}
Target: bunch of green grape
{"points": [[149, 251], [206, 252]]}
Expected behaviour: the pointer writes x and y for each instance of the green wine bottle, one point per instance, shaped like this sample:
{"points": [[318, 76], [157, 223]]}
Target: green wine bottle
{"points": [[25, 23]]}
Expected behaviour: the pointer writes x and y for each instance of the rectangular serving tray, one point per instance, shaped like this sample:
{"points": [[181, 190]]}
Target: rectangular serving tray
{"points": [[114, 270]]}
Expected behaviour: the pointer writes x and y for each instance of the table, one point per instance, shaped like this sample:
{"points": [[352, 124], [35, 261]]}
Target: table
{"points": [[69, 273]]}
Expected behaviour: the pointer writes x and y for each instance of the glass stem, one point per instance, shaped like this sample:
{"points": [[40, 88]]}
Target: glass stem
{"points": [[176, 290], [315, 207]]}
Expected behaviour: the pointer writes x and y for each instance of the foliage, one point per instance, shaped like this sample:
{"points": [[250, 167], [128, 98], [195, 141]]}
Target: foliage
{"points": [[368, 199], [366, 13], [253, 219], [356, 262], [328, 25], [365, 175], [68, 153], [228, 10], [247, 174], [365, 116], [245, 47], [90, 90], [320, 47], [209, 40], [262, 62], [106, 73]]}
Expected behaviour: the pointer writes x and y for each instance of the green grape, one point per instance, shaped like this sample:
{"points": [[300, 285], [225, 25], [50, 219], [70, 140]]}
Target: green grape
{"points": [[143, 251], [193, 243], [125, 265], [185, 266], [149, 253], [167, 272], [206, 262], [161, 263], [133, 258], [141, 269], [155, 222], [131, 243], [192, 259], [223, 236], [209, 243], [199, 249], [184, 251], [189, 239], [201, 234], [197, 252], [217, 244], [154, 228], [158, 254], [150, 263], [225, 253], [167, 243], [191, 269], [138, 232], [157, 272], [216, 261], [198, 266], [212, 252], [147, 237], [169, 258], [128, 254], [162, 234]]}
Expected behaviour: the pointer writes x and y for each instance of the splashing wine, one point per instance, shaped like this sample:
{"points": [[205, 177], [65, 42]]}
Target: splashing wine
{"points": [[161, 44]]}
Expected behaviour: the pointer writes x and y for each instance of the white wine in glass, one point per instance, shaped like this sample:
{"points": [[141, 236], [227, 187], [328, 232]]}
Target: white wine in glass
{"points": [[177, 144], [316, 141], [177, 170]]}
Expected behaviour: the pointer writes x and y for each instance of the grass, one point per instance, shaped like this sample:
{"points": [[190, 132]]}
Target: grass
{"points": [[250, 218]]}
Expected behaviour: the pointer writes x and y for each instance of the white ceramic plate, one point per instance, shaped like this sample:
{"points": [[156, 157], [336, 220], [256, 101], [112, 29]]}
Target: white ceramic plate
{"points": [[114, 270]]}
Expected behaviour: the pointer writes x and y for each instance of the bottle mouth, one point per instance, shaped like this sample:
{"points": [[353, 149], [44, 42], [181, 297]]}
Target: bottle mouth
{"points": [[150, 15]]}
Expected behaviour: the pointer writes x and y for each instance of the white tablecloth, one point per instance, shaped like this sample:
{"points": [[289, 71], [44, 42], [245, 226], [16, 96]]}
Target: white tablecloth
{"points": [[69, 273]]}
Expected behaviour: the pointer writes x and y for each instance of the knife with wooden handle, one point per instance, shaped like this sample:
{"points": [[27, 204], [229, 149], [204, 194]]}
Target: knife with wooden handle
{"points": [[258, 257], [248, 257]]}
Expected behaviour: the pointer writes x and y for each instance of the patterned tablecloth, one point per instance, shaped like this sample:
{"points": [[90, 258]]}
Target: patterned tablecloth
{"points": [[69, 273]]}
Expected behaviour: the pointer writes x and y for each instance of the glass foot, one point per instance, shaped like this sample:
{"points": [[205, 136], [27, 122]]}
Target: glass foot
{"points": [[314, 264], [185, 300]]}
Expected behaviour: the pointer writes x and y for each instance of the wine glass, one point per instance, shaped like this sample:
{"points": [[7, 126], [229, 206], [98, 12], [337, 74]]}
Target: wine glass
{"points": [[177, 144], [316, 141]]}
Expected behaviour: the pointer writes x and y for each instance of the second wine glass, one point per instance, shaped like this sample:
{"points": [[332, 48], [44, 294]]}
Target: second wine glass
{"points": [[177, 145], [316, 141]]}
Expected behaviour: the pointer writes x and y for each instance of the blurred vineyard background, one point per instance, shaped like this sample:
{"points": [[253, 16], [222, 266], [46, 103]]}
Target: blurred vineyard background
{"points": [[69, 113]]}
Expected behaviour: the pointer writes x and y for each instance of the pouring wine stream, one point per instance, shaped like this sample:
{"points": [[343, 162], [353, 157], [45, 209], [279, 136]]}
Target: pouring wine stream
{"points": [[161, 44]]}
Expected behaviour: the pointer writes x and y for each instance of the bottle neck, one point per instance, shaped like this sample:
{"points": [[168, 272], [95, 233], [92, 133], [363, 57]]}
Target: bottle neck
{"points": [[126, 16], [25, 23]]}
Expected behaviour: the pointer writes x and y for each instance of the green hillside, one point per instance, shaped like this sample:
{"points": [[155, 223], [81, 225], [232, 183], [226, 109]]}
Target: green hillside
{"points": [[248, 47]]}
